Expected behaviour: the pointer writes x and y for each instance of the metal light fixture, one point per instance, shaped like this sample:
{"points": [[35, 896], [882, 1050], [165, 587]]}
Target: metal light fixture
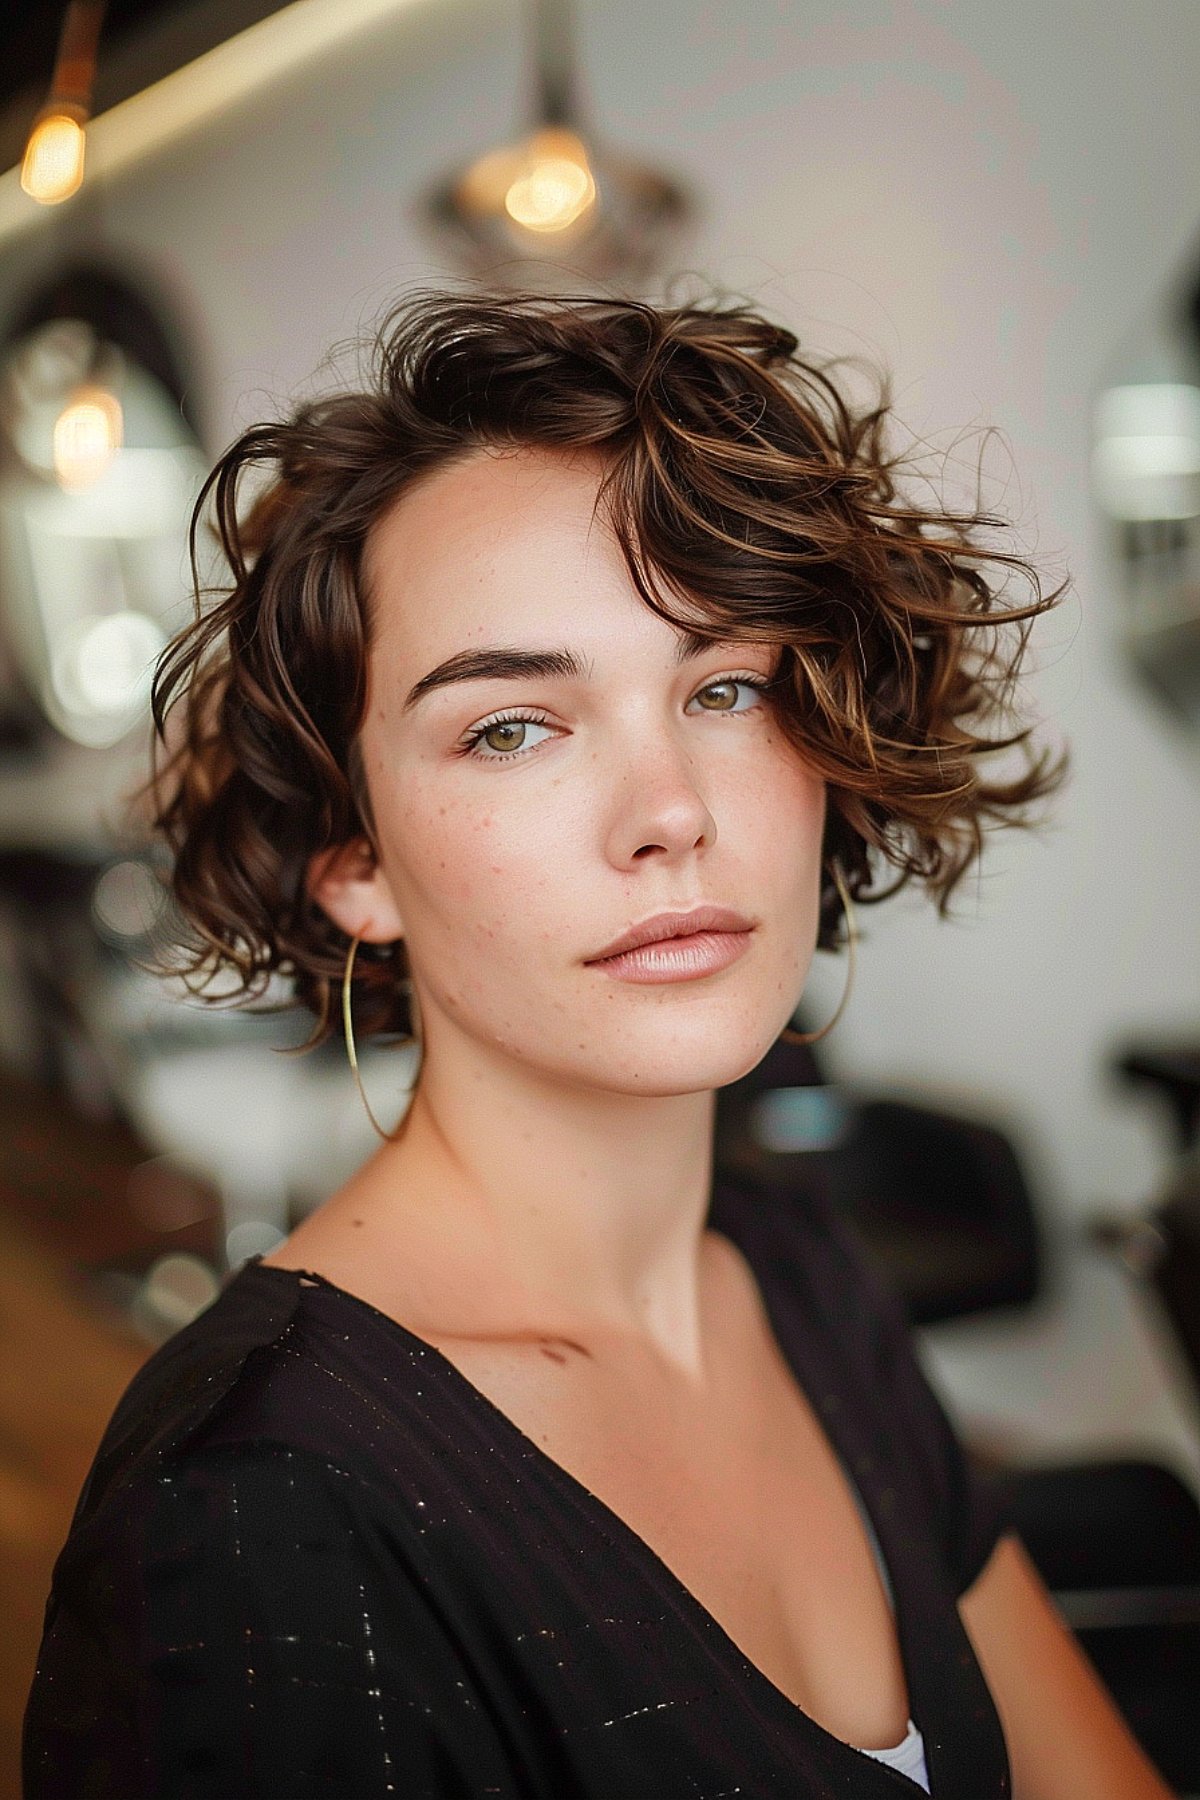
{"points": [[100, 469], [52, 168], [555, 196]]}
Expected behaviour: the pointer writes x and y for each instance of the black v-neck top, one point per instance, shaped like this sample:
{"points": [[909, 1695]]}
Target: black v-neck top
{"points": [[311, 1558]]}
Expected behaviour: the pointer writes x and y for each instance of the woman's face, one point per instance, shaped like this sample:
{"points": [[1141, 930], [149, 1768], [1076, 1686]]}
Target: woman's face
{"points": [[511, 853]]}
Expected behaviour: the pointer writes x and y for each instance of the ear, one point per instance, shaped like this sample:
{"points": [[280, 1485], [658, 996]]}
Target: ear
{"points": [[350, 885]]}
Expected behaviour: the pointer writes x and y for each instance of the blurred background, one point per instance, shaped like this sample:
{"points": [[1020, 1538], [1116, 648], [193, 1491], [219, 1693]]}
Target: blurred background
{"points": [[999, 204]]}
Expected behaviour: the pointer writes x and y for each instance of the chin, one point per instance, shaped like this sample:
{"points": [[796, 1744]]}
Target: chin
{"points": [[673, 1061]]}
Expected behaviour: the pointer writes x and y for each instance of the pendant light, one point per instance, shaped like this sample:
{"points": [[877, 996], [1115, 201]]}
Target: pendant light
{"points": [[556, 195], [52, 168]]}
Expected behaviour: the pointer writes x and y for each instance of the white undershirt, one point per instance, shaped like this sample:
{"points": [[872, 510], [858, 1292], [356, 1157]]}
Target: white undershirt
{"points": [[908, 1756]]}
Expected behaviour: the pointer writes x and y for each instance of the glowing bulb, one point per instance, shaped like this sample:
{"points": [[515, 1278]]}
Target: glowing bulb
{"points": [[483, 187], [52, 168], [555, 186], [87, 435]]}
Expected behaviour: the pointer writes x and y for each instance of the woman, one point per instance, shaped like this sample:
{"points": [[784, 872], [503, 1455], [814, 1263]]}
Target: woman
{"points": [[572, 682]]}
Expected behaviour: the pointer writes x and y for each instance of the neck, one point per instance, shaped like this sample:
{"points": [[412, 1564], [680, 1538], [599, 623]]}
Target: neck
{"points": [[586, 1208]]}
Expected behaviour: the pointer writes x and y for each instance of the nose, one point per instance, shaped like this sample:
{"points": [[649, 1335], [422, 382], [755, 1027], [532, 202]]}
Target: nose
{"points": [[658, 808]]}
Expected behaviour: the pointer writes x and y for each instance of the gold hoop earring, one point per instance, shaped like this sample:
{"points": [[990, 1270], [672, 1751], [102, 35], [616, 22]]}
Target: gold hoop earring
{"points": [[348, 1026], [811, 1037]]}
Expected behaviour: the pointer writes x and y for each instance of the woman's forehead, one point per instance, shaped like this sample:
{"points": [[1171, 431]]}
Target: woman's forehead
{"points": [[510, 544], [488, 486]]}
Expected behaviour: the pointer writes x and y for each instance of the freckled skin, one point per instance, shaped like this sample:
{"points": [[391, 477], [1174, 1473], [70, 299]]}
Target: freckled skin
{"points": [[624, 804]]}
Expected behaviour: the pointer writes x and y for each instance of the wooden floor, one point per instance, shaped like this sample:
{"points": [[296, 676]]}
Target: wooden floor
{"points": [[63, 1366]]}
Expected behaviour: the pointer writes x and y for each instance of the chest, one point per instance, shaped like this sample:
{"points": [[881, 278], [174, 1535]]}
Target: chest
{"points": [[740, 1494]]}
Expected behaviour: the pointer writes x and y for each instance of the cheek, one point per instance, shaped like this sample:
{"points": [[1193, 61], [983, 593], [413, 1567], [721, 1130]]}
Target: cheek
{"points": [[467, 875], [786, 800]]}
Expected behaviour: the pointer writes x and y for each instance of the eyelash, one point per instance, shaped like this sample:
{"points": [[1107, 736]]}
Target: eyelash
{"points": [[468, 744]]}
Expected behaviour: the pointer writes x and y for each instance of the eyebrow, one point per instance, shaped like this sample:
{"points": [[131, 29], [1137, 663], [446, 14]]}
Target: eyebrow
{"points": [[496, 662]]}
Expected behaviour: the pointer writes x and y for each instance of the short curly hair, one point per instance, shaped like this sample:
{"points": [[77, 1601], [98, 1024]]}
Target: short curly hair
{"points": [[736, 476]]}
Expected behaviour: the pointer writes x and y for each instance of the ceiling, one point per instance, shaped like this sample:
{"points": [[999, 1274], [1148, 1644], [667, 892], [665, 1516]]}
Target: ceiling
{"points": [[29, 38], [141, 41]]}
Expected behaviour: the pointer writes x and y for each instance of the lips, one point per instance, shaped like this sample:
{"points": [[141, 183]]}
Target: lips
{"points": [[674, 924]]}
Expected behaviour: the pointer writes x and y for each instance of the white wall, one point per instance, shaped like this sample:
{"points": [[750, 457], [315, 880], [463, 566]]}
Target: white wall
{"points": [[989, 199]]}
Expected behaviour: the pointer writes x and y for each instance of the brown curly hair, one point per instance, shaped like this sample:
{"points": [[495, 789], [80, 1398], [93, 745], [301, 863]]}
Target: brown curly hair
{"points": [[736, 476]]}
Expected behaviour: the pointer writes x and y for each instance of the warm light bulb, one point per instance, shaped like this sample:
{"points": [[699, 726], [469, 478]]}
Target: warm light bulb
{"points": [[87, 435], [52, 168], [555, 186], [482, 188]]}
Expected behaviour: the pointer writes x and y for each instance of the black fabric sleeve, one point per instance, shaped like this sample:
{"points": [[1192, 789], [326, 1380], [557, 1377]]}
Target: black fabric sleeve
{"points": [[974, 1514], [968, 1509], [246, 1629]]}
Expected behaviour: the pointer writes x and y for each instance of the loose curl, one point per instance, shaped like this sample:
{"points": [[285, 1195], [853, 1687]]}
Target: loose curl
{"points": [[736, 477]]}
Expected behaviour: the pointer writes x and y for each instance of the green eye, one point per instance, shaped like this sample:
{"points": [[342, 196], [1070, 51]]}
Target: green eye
{"points": [[719, 687], [728, 686], [511, 728]]}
